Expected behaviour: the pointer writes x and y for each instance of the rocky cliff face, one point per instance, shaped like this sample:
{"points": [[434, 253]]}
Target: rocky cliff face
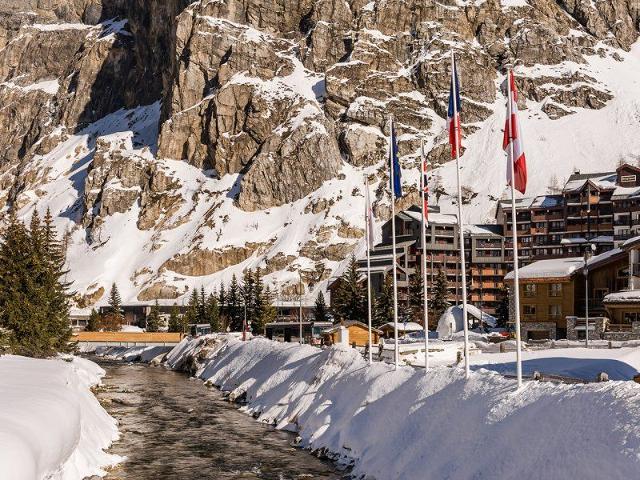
{"points": [[179, 142]]}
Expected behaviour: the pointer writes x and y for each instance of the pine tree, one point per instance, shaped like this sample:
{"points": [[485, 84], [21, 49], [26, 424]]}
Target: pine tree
{"points": [[266, 312], [202, 307], [114, 319], [248, 296], [502, 310], [213, 312], [153, 320], [175, 325], [320, 310], [383, 305], [416, 298], [439, 302], [34, 299], [191, 316], [350, 301], [222, 305], [93, 324], [233, 305]]}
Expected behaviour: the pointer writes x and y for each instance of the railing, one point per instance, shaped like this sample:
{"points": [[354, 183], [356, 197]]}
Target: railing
{"points": [[619, 327]]}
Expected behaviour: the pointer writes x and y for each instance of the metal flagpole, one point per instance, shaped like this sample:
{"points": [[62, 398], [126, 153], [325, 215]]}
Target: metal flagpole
{"points": [[367, 219], [514, 231], [424, 259], [463, 267], [300, 307], [393, 242]]}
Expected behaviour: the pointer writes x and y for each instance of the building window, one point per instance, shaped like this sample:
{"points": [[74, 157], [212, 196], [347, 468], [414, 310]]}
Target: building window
{"points": [[529, 309], [555, 290], [529, 289], [630, 317], [555, 311]]}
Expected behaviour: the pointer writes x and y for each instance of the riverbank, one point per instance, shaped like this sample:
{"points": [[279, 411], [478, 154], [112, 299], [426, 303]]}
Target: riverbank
{"points": [[51, 424], [405, 424]]}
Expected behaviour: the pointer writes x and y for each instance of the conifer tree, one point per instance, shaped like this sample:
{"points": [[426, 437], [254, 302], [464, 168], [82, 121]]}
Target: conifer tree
{"points": [[114, 319], [34, 298], [175, 325], [222, 306], [320, 310], [350, 296], [202, 307], [266, 313], [213, 312], [439, 302], [248, 296], [383, 305], [233, 305], [502, 310], [153, 320], [416, 300], [191, 316], [93, 324]]}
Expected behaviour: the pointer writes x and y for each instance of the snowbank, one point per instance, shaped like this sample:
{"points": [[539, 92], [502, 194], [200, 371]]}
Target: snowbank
{"points": [[51, 425], [405, 424]]}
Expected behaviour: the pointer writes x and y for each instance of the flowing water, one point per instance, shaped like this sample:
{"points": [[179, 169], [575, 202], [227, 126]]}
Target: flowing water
{"points": [[173, 427]]}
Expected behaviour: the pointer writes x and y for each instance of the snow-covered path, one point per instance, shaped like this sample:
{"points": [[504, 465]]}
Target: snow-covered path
{"points": [[51, 425], [407, 425]]}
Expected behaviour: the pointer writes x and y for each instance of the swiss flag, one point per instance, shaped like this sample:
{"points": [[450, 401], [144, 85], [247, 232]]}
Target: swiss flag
{"points": [[512, 142]]}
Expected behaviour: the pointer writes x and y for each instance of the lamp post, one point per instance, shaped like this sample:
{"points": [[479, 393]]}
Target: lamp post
{"points": [[588, 253]]}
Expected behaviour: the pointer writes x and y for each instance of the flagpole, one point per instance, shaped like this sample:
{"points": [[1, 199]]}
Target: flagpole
{"points": [[463, 267], [393, 240], [367, 219], [424, 259], [514, 231]]}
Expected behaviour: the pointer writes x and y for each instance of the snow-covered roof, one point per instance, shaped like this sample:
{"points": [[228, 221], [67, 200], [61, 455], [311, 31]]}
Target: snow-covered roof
{"points": [[489, 229], [436, 218], [625, 296], [604, 180], [625, 192], [451, 321], [631, 241], [403, 326], [521, 203], [553, 268], [547, 201]]}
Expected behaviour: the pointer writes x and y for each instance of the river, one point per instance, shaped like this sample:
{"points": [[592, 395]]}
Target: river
{"points": [[173, 427]]}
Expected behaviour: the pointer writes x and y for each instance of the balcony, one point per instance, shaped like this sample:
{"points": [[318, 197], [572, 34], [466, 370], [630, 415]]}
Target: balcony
{"points": [[544, 217]]}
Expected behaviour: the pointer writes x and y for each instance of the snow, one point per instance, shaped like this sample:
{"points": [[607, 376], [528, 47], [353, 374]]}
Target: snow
{"points": [[48, 86], [405, 424], [554, 268], [451, 321], [624, 296], [52, 426], [404, 326], [53, 27], [581, 363]]}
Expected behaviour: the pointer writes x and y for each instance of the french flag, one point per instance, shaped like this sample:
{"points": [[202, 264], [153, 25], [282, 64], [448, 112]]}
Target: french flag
{"points": [[453, 113], [512, 141]]}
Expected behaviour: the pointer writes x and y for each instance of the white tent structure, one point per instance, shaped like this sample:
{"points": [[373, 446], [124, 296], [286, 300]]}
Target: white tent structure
{"points": [[451, 320]]}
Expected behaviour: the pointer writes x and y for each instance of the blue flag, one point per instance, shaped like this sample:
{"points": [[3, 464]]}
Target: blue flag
{"points": [[396, 187]]}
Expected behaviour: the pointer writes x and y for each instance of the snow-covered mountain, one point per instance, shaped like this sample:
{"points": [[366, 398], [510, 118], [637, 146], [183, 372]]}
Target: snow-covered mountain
{"points": [[178, 143]]}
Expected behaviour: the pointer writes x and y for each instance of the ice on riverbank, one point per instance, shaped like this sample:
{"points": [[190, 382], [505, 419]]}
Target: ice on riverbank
{"points": [[405, 424], [51, 425]]}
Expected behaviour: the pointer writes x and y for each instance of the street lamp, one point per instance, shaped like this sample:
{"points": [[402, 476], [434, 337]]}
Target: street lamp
{"points": [[588, 253]]}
